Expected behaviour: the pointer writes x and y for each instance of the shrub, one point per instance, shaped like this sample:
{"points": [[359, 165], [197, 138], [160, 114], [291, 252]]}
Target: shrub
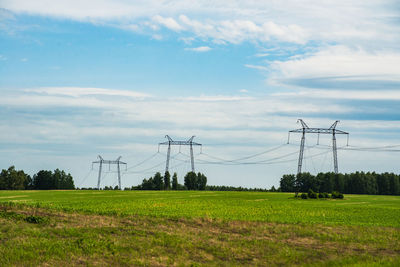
{"points": [[312, 194], [304, 196], [321, 195], [326, 195], [36, 219], [338, 195]]}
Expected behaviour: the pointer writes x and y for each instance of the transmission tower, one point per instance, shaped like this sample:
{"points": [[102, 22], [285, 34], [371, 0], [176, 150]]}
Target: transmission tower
{"points": [[331, 130], [171, 142], [102, 161]]}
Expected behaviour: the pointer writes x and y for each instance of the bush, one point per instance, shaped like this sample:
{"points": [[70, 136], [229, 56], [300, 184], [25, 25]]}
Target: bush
{"points": [[326, 195], [36, 219], [304, 196], [312, 194], [337, 195], [321, 195]]}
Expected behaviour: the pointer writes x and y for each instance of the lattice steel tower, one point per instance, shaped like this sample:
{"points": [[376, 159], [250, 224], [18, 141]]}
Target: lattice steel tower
{"points": [[102, 161], [171, 142], [331, 130]]}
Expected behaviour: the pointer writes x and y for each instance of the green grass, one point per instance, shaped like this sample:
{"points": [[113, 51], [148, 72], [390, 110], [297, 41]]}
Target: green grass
{"points": [[248, 206], [184, 228]]}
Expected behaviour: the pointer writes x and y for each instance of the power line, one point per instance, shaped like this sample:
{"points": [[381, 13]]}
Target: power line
{"points": [[86, 176], [145, 160], [247, 157]]}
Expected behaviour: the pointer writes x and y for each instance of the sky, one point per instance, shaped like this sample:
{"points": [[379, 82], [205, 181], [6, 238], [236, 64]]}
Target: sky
{"points": [[80, 79]]}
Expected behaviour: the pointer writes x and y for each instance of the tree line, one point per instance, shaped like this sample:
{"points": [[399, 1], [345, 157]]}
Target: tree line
{"points": [[370, 183], [192, 181], [12, 179], [234, 188]]}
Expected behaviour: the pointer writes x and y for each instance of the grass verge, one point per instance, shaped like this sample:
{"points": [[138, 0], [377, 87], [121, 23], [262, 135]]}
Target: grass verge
{"points": [[53, 237]]}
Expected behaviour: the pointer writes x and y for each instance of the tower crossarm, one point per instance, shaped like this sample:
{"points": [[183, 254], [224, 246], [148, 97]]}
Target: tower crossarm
{"points": [[318, 131], [179, 143]]}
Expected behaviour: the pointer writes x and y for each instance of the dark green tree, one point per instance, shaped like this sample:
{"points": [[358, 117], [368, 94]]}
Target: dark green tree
{"points": [[339, 180], [46, 180], [167, 180], [191, 181], [11, 179], [287, 183], [175, 181], [201, 181], [383, 182], [305, 181], [147, 184], [394, 184], [43, 180], [158, 181]]}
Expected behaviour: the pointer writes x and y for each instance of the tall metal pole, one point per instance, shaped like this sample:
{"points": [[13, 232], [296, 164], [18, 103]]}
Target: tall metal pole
{"points": [[98, 180], [168, 155], [303, 139], [119, 176], [335, 161], [191, 156]]}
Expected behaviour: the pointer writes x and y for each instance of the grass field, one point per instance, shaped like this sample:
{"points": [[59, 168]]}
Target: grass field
{"points": [[196, 228]]}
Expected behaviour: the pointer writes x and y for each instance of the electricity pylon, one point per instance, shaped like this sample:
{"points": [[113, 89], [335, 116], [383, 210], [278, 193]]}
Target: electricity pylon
{"points": [[171, 142], [331, 130], [102, 161]]}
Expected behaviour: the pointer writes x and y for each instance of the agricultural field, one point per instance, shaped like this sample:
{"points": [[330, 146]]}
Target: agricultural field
{"points": [[196, 228]]}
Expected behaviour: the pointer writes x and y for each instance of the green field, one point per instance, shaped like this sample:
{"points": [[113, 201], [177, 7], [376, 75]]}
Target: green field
{"points": [[153, 228]]}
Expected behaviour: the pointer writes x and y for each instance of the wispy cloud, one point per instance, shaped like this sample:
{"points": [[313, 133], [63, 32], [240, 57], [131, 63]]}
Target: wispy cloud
{"points": [[84, 91], [256, 67], [199, 49], [377, 95], [368, 23], [169, 23], [339, 67]]}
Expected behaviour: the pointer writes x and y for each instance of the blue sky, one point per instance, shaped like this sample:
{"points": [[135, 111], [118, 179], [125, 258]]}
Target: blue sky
{"points": [[114, 77]]}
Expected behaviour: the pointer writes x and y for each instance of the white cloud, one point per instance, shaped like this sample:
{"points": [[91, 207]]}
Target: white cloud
{"points": [[370, 23], [257, 67], [157, 37], [220, 112], [85, 91], [170, 23], [393, 95], [238, 31], [337, 66], [199, 49]]}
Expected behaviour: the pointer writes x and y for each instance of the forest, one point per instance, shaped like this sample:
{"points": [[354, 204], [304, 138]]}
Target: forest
{"points": [[370, 183], [12, 179]]}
